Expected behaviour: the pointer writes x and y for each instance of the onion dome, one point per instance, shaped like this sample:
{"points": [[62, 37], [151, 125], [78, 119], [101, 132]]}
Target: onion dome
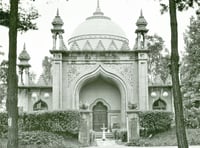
{"points": [[57, 22], [141, 24], [24, 58], [24, 55], [98, 32]]}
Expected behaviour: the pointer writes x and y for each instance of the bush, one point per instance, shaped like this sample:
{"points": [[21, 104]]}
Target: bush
{"points": [[153, 122], [67, 122], [120, 134], [40, 138], [56, 121]]}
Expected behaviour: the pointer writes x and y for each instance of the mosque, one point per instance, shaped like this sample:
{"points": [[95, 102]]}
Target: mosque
{"points": [[97, 72]]}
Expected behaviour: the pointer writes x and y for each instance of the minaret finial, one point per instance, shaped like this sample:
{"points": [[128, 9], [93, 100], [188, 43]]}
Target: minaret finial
{"points": [[141, 13], [57, 12], [24, 47], [98, 7]]}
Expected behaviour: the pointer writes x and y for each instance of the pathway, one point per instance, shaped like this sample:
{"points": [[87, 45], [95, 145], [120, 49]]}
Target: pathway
{"points": [[112, 144]]}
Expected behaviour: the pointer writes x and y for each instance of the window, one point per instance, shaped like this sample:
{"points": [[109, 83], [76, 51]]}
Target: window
{"points": [[159, 105], [40, 105]]}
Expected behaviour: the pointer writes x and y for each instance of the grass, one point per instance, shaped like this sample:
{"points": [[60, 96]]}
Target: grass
{"points": [[168, 138]]}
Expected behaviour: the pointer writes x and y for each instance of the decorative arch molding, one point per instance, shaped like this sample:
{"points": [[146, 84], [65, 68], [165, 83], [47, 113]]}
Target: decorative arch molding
{"points": [[100, 71], [102, 101], [40, 105], [159, 104]]}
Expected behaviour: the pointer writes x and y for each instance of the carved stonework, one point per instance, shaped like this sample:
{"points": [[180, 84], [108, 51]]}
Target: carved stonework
{"points": [[125, 71]]}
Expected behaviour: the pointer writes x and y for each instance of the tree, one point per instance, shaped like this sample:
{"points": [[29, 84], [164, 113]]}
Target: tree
{"points": [[190, 70], [25, 18], [15, 22], [178, 104], [158, 59], [47, 65], [12, 77]]}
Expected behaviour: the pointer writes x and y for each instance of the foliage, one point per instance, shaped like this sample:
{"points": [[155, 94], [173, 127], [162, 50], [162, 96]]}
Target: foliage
{"points": [[180, 4], [3, 123], [120, 134], [159, 59], [153, 122], [66, 122], [56, 121], [40, 138], [47, 65], [190, 69], [192, 116], [3, 79], [25, 20]]}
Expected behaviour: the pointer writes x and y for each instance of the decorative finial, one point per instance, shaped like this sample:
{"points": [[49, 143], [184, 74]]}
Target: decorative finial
{"points": [[141, 14], [98, 9], [98, 4], [57, 12], [24, 47]]}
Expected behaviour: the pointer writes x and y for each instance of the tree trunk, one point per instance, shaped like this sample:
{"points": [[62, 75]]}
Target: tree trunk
{"points": [[12, 78], [178, 105]]}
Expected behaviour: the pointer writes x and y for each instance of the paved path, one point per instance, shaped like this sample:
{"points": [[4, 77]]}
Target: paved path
{"points": [[112, 144]]}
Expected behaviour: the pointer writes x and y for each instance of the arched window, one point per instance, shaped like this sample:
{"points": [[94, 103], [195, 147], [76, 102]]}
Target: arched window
{"points": [[159, 105], [40, 105]]}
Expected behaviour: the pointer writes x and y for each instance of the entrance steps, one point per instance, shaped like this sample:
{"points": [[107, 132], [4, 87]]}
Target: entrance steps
{"points": [[109, 135]]}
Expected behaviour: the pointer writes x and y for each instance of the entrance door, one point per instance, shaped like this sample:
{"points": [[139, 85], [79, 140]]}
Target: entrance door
{"points": [[100, 116]]}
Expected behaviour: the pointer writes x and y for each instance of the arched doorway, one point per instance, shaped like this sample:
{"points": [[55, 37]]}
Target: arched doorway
{"points": [[40, 105], [100, 116], [159, 105]]}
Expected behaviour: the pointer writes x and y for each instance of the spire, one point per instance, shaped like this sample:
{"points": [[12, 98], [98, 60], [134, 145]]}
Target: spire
{"points": [[24, 47], [57, 12], [98, 9], [141, 14]]}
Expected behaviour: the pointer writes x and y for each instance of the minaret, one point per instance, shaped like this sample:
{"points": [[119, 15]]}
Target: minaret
{"points": [[24, 67], [142, 55], [141, 32], [57, 32], [57, 52]]}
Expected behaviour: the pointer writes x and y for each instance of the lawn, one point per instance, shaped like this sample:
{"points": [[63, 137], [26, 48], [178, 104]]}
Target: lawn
{"points": [[169, 138]]}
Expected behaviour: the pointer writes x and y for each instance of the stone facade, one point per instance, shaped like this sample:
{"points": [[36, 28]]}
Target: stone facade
{"points": [[99, 74]]}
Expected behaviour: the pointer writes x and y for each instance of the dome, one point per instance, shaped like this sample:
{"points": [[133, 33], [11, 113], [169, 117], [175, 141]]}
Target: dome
{"points": [[98, 32], [24, 55]]}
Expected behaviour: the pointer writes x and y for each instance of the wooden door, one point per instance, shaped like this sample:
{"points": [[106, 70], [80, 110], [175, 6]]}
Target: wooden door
{"points": [[100, 116]]}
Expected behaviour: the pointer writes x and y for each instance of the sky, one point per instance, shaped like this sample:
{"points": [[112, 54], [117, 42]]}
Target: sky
{"points": [[73, 12]]}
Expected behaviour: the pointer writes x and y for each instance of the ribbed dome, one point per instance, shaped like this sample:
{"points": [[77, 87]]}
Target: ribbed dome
{"points": [[95, 30]]}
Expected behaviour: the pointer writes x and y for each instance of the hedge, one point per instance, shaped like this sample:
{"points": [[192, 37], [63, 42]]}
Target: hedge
{"points": [[67, 122], [153, 122]]}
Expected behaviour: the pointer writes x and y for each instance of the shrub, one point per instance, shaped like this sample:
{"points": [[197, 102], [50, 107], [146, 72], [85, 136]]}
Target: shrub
{"points": [[40, 138], [120, 134], [57, 121], [153, 122]]}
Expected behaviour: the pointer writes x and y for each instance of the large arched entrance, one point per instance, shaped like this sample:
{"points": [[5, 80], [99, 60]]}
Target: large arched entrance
{"points": [[105, 87], [100, 116]]}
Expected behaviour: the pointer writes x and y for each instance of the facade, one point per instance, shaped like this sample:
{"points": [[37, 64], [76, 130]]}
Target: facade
{"points": [[98, 72]]}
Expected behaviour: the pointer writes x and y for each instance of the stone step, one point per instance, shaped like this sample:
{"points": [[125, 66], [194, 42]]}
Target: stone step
{"points": [[98, 135]]}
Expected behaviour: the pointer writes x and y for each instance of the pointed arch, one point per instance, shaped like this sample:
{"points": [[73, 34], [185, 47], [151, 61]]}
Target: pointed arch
{"points": [[159, 105], [100, 46], [112, 46], [40, 105]]}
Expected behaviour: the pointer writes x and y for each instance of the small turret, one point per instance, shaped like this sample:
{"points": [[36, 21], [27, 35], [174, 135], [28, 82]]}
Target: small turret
{"points": [[141, 32], [57, 32], [24, 66]]}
